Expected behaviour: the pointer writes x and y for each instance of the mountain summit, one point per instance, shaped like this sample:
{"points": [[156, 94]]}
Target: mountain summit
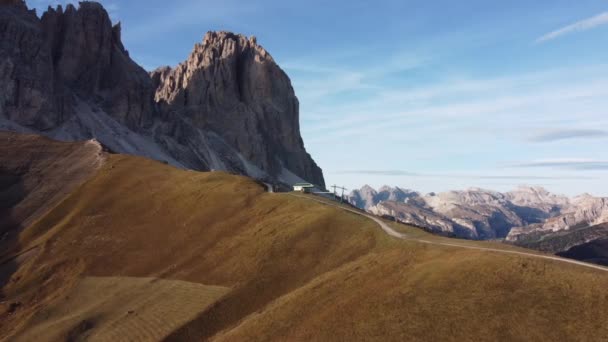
{"points": [[229, 106]]}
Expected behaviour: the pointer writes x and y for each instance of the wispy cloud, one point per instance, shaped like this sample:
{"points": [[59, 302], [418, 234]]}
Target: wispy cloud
{"points": [[579, 26], [456, 175], [576, 164], [566, 134], [316, 82], [380, 173], [185, 14], [514, 101]]}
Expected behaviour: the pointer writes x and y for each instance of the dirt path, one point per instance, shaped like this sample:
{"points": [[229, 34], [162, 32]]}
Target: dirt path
{"points": [[390, 231]]}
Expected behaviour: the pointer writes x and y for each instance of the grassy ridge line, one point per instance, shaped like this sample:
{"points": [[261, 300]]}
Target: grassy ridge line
{"points": [[390, 231]]}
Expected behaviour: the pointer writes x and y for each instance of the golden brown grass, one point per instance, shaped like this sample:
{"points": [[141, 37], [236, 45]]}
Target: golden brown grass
{"points": [[44, 172], [117, 309], [295, 269], [140, 218], [422, 293]]}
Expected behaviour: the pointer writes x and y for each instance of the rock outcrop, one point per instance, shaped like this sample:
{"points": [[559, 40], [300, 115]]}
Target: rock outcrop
{"points": [[232, 86], [525, 214], [228, 107], [367, 197], [583, 211], [51, 63], [420, 216]]}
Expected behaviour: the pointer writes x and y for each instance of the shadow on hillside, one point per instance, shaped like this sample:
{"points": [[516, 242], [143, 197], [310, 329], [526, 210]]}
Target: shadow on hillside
{"points": [[12, 191], [532, 215], [595, 252]]}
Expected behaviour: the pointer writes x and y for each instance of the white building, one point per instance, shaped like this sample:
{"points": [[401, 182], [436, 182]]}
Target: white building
{"points": [[303, 187]]}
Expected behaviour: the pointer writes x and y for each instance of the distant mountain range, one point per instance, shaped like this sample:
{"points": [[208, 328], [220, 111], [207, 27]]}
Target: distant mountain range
{"points": [[525, 216], [229, 106]]}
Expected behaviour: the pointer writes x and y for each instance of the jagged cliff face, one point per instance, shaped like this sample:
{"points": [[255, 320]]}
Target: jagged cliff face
{"points": [[89, 60], [525, 214], [367, 197], [474, 213], [26, 82], [583, 211], [228, 107], [232, 86], [51, 63]]}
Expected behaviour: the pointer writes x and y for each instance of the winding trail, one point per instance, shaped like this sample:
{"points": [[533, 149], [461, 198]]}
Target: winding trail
{"points": [[390, 231]]}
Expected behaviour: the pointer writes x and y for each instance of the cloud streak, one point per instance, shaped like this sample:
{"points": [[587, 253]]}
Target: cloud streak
{"points": [[579, 26], [567, 164], [380, 173], [185, 14], [566, 134], [457, 176]]}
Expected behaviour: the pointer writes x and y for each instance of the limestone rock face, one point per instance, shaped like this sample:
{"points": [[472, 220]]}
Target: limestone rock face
{"points": [[232, 86], [364, 198], [420, 216], [26, 73], [228, 107], [583, 211], [50, 63], [89, 60], [522, 215]]}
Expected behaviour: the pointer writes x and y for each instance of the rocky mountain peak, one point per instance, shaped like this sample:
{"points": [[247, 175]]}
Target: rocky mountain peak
{"points": [[220, 38], [237, 67], [480, 213], [537, 197], [231, 85], [368, 189], [367, 196], [228, 106], [532, 189], [583, 196]]}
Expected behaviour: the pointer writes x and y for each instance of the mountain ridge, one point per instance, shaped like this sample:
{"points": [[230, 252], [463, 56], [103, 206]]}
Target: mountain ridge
{"points": [[485, 214], [68, 76]]}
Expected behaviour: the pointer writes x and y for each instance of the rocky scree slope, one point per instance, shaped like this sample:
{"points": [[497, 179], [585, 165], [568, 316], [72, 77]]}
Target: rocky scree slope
{"points": [[229, 106]]}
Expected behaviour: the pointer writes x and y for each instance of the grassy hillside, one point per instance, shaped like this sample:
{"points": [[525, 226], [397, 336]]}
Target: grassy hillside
{"points": [[35, 174], [140, 218], [223, 260], [121, 309]]}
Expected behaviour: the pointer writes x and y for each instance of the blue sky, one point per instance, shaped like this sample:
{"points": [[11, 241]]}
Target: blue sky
{"points": [[429, 95]]}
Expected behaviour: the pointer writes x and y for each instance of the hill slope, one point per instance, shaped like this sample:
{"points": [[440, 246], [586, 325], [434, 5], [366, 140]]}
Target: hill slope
{"points": [[269, 267], [229, 106]]}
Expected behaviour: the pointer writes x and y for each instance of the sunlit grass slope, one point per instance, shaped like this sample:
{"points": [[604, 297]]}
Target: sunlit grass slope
{"points": [[140, 218], [116, 309], [35, 174], [291, 269]]}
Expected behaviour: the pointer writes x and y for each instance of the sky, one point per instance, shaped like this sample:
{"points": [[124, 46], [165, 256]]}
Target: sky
{"points": [[421, 94]]}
